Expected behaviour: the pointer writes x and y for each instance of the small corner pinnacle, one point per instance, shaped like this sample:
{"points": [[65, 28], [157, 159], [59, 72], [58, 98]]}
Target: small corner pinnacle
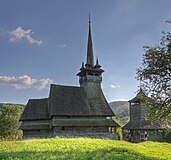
{"points": [[97, 61]]}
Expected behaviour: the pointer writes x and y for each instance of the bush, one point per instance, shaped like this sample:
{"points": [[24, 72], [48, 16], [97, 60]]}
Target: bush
{"points": [[167, 135], [119, 133], [118, 129], [9, 122]]}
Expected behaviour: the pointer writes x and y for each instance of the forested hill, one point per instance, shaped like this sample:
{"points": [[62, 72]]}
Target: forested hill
{"points": [[1, 104], [1, 107], [121, 110]]}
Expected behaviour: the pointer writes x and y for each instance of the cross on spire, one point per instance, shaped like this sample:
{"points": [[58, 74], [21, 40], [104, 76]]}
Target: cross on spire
{"points": [[89, 18]]}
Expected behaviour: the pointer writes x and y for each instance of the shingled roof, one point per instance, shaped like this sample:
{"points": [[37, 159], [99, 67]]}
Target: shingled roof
{"points": [[36, 109], [138, 97], [73, 101], [30, 125], [141, 124], [85, 122]]}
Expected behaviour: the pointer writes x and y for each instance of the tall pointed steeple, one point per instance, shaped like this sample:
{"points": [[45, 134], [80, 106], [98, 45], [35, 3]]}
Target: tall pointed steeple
{"points": [[90, 57], [90, 73]]}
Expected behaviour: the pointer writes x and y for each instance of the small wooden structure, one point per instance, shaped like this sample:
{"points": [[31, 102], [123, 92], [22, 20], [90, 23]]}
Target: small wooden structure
{"points": [[138, 129]]}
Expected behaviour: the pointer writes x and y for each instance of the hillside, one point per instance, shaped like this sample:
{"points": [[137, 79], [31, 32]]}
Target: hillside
{"points": [[1, 104], [121, 110], [1, 107], [83, 149]]}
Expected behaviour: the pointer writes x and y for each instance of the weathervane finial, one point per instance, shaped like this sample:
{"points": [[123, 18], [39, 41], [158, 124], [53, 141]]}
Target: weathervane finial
{"points": [[89, 18]]}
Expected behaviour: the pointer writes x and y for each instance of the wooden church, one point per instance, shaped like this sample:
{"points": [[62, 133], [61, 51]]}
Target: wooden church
{"points": [[138, 129], [72, 111]]}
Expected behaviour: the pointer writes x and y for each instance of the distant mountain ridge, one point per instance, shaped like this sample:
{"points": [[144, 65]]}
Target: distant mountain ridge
{"points": [[121, 110]]}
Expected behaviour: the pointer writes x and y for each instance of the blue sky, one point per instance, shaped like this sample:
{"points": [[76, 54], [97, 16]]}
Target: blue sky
{"points": [[44, 41]]}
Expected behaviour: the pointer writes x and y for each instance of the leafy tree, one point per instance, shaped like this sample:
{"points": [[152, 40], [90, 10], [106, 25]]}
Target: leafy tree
{"points": [[118, 129], [155, 75], [167, 135], [9, 122]]}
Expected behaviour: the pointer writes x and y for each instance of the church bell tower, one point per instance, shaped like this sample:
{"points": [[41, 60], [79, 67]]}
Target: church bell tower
{"points": [[90, 75]]}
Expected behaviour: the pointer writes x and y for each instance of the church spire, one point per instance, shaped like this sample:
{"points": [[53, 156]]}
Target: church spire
{"points": [[90, 69], [90, 57]]}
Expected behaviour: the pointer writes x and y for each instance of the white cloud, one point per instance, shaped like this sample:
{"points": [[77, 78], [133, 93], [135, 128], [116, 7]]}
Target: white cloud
{"points": [[168, 21], [19, 34], [115, 86], [24, 82]]}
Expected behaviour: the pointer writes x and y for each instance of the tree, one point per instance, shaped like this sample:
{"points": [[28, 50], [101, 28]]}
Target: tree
{"points": [[9, 122], [155, 75]]}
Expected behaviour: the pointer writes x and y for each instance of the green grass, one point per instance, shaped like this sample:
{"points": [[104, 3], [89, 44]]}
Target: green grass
{"points": [[82, 149]]}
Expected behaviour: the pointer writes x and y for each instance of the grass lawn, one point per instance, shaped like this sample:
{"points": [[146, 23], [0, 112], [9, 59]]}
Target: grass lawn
{"points": [[82, 149]]}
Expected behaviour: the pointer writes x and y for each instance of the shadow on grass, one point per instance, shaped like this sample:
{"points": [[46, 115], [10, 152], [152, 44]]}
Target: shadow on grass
{"points": [[102, 154]]}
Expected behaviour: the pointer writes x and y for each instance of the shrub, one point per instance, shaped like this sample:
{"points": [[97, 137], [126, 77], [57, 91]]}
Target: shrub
{"points": [[9, 122], [167, 135]]}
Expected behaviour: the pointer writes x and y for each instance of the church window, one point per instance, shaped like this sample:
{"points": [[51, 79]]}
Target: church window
{"points": [[63, 128]]}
